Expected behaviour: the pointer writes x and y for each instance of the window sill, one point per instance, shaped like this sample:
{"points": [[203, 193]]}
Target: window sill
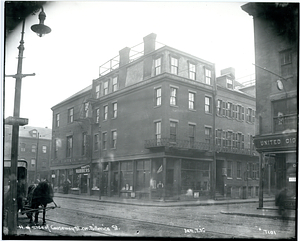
{"points": [[194, 110], [156, 106], [229, 178], [176, 106], [208, 113]]}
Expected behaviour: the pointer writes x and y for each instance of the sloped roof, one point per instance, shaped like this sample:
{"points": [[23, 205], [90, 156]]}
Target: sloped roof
{"points": [[24, 131]]}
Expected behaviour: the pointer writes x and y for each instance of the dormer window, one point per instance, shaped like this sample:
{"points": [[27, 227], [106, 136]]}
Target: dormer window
{"points": [[229, 83], [34, 133]]}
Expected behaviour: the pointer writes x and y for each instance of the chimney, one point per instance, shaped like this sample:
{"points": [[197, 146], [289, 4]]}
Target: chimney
{"points": [[124, 56], [230, 71], [149, 43]]}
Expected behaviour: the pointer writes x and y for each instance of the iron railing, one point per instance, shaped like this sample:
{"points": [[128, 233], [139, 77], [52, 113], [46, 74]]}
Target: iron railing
{"points": [[285, 122], [194, 145]]}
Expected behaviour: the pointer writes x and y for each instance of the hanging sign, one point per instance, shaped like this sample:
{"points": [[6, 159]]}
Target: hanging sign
{"points": [[275, 142]]}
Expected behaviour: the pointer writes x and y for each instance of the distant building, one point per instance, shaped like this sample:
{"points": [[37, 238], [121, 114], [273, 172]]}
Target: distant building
{"points": [[277, 65], [34, 148], [146, 128]]}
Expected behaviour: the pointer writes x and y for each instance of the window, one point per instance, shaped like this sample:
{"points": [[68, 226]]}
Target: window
{"points": [[84, 142], [86, 110], [192, 71], [174, 66], [158, 132], [105, 112], [115, 109], [33, 148], [229, 83], [229, 110], [114, 139], [224, 106], [219, 107], [234, 140], [34, 133], [97, 115], [285, 114], [173, 131], [234, 111], [207, 104], [238, 169], [97, 91], [70, 115], [229, 168], [240, 112], [157, 66], [207, 135], [96, 142], [192, 134], [44, 149], [115, 84], [23, 145], [173, 97], [250, 115], [105, 88], [69, 146], [104, 140], [191, 101], [57, 120], [219, 137], [286, 63], [126, 175], [33, 162], [158, 96], [229, 138], [143, 175], [254, 170], [56, 145], [207, 76]]}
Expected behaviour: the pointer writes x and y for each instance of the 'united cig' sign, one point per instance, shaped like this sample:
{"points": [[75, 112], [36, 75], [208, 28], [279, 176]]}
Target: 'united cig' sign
{"points": [[276, 141]]}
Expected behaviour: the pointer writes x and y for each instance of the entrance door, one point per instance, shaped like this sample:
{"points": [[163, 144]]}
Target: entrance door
{"points": [[169, 182], [115, 183], [219, 178], [84, 179]]}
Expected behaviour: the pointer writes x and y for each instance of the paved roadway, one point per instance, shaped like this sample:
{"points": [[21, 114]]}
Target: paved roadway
{"points": [[77, 217]]}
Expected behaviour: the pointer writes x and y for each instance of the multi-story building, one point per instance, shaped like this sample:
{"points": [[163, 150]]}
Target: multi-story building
{"points": [[276, 59], [151, 124], [34, 148]]}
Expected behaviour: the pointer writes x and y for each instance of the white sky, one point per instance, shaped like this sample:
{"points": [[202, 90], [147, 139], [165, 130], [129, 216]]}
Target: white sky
{"points": [[87, 34]]}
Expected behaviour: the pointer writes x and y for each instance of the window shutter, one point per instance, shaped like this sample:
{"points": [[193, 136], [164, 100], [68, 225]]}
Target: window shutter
{"points": [[243, 113]]}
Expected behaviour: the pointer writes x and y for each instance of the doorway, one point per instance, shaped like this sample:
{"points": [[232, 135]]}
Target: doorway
{"points": [[219, 177]]}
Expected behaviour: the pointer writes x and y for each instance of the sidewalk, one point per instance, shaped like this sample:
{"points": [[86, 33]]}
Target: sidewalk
{"points": [[268, 211]]}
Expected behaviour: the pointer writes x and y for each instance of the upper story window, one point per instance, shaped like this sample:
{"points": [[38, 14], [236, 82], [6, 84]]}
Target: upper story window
{"points": [[44, 149], [157, 66], [158, 131], [105, 112], [285, 114], [208, 134], [114, 139], [97, 91], [173, 131], [192, 71], [33, 162], [115, 84], [157, 96], [229, 168], [250, 115], [286, 63], [174, 66], [229, 110], [69, 146], [70, 115], [105, 88], [33, 148], [240, 113], [238, 169], [86, 109], [34, 133], [207, 76], [23, 145], [56, 145], [192, 129], [97, 115], [218, 137], [191, 101], [219, 107], [207, 104], [115, 109], [229, 83], [104, 140], [57, 117], [173, 96]]}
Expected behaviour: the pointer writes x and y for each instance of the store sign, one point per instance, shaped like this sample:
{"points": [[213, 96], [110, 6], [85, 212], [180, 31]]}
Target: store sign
{"points": [[276, 142], [84, 169]]}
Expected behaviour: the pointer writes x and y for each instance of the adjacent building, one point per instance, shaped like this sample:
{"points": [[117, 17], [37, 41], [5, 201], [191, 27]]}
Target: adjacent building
{"points": [[157, 124], [34, 148], [276, 59]]}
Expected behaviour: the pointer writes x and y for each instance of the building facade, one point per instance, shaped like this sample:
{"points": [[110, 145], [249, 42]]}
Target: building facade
{"points": [[34, 148], [151, 126], [276, 60]]}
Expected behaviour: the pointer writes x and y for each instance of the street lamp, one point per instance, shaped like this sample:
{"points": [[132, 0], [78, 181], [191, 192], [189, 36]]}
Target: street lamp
{"points": [[16, 121]]}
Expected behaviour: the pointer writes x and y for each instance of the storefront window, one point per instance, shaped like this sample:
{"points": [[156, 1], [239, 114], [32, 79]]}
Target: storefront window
{"points": [[195, 175], [127, 176], [143, 175]]}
